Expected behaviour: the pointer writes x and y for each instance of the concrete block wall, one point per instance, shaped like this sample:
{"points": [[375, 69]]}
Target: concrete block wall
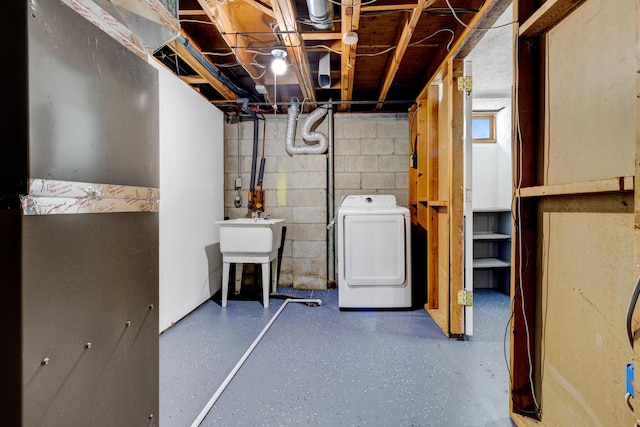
{"points": [[370, 157]]}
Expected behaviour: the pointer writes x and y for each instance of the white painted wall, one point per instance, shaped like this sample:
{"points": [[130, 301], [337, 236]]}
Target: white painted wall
{"points": [[191, 198], [492, 161]]}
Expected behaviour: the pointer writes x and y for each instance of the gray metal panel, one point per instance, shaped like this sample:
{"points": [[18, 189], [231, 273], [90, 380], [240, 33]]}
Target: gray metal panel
{"points": [[10, 317], [93, 103], [13, 106], [84, 278]]}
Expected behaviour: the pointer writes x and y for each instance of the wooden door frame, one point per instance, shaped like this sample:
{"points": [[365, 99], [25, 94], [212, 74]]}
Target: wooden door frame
{"points": [[439, 193]]}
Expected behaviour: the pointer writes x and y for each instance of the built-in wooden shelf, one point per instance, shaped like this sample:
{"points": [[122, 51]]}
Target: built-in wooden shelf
{"points": [[434, 203], [609, 185]]}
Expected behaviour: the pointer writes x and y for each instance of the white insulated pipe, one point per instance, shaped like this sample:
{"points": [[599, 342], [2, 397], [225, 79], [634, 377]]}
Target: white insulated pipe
{"points": [[201, 416], [290, 135]]}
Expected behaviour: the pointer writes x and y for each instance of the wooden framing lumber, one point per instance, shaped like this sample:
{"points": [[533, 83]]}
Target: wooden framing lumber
{"points": [[529, 104], [350, 22], [547, 16], [494, 12], [403, 43], [227, 23], [623, 183], [184, 54], [456, 199], [261, 7], [285, 16]]}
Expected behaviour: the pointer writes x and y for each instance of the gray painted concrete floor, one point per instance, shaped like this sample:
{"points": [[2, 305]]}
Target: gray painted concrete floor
{"points": [[319, 366]]}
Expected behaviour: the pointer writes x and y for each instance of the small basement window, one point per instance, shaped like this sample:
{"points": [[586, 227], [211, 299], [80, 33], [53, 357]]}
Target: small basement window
{"points": [[483, 127]]}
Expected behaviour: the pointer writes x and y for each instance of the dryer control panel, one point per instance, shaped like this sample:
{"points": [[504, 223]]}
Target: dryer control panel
{"points": [[374, 200]]}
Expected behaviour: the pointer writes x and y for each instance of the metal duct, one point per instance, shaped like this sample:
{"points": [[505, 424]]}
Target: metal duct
{"points": [[290, 136], [320, 14]]}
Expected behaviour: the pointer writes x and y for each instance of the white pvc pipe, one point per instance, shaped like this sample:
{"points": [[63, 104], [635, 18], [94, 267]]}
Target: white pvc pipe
{"points": [[244, 357]]}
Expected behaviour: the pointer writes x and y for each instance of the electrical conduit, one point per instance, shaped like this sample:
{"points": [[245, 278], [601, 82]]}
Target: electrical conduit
{"points": [[245, 356]]}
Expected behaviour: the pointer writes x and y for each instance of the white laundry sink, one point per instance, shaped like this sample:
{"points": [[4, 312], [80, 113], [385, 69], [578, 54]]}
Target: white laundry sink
{"points": [[250, 236]]}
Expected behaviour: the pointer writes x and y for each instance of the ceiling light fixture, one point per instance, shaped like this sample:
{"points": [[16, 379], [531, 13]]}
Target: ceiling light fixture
{"points": [[350, 38], [278, 65]]}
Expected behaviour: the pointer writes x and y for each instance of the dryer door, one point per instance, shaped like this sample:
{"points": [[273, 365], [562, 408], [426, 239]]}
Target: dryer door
{"points": [[374, 250]]}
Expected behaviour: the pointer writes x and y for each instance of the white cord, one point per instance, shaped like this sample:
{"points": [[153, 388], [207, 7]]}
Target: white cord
{"points": [[519, 222], [201, 416]]}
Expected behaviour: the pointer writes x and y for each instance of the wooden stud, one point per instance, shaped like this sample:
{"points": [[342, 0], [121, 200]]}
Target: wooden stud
{"points": [[456, 198], [528, 142], [547, 16], [350, 22]]}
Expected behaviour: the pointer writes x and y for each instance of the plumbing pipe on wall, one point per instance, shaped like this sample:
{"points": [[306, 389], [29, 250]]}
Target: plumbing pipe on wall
{"points": [[325, 144], [254, 157], [290, 136], [331, 275]]}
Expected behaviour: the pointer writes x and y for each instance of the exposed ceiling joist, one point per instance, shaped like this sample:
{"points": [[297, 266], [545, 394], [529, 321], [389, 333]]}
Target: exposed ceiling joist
{"points": [[321, 36], [495, 11], [387, 7], [403, 43], [350, 22], [194, 80], [261, 7], [469, 29], [286, 17], [384, 55], [192, 12], [199, 68], [225, 20]]}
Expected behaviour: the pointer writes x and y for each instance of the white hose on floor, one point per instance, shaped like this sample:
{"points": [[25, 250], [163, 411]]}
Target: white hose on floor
{"points": [[244, 357]]}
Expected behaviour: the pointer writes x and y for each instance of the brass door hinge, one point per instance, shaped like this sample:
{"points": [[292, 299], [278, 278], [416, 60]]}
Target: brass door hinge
{"points": [[465, 84], [465, 298]]}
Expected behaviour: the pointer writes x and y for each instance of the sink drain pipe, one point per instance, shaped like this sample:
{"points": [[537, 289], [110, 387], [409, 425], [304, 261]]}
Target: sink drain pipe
{"points": [[244, 357]]}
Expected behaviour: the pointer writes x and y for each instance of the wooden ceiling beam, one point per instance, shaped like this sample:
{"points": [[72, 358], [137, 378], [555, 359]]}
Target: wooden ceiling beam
{"points": [[387, 7], [194, 80], [457, 45], [286, 17], [194, 63], [227, 23], [261, 7], [321, 36], [192, 12], [398, 54], [495, 11], [350, 22]]}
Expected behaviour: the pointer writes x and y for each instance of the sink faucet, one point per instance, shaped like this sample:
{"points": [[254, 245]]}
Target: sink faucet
{"points": [[259, 215]]}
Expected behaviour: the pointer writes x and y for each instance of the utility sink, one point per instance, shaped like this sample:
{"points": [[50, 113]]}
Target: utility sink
{"points": [[250, 236], [250, 240]]}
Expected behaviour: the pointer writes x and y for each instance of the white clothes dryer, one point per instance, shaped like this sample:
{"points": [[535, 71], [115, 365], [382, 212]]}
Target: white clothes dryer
{"points": [[374, 253]]}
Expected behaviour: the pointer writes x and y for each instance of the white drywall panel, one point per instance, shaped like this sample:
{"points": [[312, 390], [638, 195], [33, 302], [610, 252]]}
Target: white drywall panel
{"points": [[191, 198]]}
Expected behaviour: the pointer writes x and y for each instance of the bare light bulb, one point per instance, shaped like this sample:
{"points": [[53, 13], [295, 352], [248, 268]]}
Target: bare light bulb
{"points": [[278, 66]]}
